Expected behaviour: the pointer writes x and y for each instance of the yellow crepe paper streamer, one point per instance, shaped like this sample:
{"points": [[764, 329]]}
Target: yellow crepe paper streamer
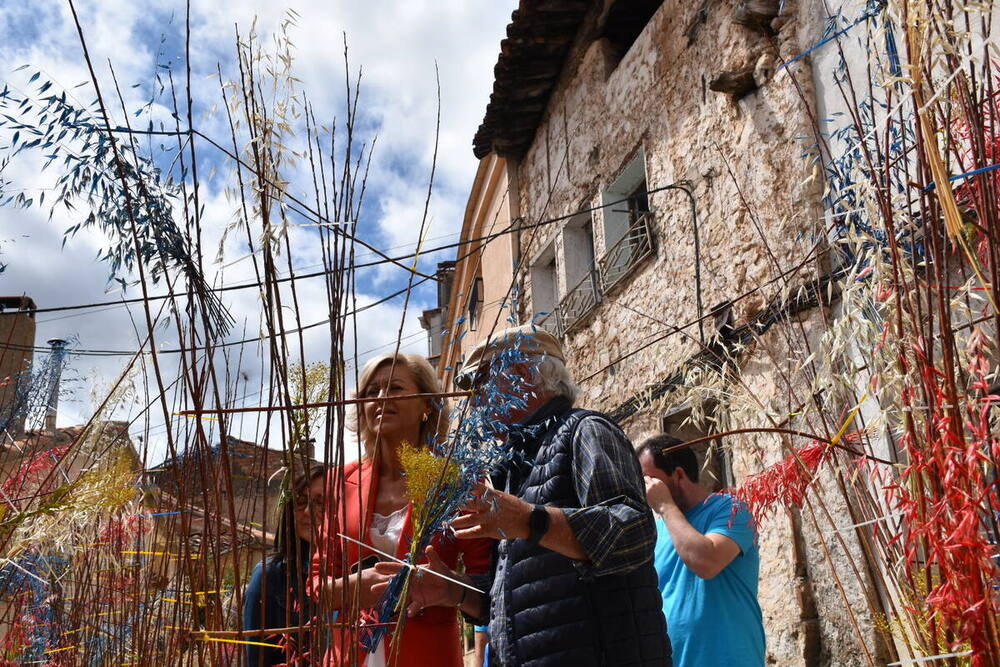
{"points": [[848, 421], [181, 414], [206, 638], [157, 553]]}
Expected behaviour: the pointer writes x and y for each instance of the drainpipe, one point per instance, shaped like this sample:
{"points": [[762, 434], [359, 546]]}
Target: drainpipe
{"points": [[686, 187]]}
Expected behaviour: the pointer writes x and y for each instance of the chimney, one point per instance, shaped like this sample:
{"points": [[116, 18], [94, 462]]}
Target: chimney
{"points": [[433, 320], [17, 338], [446, 277], [58, 346]]}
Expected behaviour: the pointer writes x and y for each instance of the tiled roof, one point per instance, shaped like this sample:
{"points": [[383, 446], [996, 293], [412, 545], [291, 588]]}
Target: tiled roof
{"points": [[531, 57]]}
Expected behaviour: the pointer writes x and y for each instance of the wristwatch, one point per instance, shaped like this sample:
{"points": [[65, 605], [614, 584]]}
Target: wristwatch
{"points": [[538, 524]]}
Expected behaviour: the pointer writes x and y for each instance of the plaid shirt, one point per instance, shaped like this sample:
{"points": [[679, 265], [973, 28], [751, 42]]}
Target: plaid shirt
{"points": [[613, 523]]}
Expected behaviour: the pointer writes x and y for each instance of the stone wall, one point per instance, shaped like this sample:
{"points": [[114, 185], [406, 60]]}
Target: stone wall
{"points": [[759, 218]]}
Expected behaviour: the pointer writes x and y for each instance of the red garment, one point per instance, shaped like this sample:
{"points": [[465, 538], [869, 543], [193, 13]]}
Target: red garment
{"points": [[431, 637]]}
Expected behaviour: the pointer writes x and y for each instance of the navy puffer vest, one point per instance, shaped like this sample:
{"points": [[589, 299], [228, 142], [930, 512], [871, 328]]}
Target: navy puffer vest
{"points": [[560, 616]]}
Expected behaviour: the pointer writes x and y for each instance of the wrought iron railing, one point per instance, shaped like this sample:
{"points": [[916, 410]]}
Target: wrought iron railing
{"points": [[550, 322], [623, 256], [580, 299]]}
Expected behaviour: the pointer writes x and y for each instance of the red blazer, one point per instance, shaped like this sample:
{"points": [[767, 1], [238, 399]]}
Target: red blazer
{"points": [[431, 637]]}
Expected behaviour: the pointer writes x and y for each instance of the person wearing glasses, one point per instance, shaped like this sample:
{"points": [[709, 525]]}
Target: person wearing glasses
{"points": [[276, 595], [572, 581], [369, 504]]}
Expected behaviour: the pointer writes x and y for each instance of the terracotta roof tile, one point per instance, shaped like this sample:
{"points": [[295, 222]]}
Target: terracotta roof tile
{"points": [[538, 40]]}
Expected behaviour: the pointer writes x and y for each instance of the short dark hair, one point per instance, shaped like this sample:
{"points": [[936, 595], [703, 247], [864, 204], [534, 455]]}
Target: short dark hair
{"points": [[668, 461], [284, 534]]}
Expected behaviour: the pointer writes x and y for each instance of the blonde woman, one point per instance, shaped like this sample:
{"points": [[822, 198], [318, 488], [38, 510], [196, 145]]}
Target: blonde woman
{"points": [[370, 505]]}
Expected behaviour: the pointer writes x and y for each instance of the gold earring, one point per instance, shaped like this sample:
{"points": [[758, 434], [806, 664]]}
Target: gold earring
{"points": [[424, 418]]}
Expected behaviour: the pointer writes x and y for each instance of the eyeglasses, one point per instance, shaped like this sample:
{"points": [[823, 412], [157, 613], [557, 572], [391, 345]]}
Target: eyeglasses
{"points": [[470, 379], [303, 502]]}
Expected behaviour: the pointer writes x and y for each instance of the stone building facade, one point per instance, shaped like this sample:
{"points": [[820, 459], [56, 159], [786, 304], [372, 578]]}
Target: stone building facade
{"points": [[479, 288], [663, 223]]}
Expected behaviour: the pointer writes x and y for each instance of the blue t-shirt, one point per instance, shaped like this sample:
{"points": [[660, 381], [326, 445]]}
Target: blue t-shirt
{"points": [[712, 622]]}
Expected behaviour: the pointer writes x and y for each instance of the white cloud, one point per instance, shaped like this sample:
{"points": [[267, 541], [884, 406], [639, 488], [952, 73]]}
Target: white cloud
{"points": [[396, 43]]}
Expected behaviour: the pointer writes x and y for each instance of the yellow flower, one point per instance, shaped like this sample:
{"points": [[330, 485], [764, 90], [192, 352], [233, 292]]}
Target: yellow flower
{"points": [[426, 474]]}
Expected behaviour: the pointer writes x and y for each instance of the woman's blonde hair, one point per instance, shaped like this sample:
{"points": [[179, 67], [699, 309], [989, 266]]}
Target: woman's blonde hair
{"points": [[427, 383]]}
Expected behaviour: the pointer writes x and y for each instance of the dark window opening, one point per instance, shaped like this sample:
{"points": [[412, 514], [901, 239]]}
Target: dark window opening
{"points": [[638, 202], [624, 22], [475, 303], [714, 458]]}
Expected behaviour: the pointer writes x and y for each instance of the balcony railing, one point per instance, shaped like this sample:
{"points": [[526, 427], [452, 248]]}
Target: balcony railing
{"points": [[628, 252], [550, 322], [580, 300]]}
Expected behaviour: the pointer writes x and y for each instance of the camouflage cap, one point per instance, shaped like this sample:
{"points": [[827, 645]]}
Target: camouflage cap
{"points": [[532, 339]]}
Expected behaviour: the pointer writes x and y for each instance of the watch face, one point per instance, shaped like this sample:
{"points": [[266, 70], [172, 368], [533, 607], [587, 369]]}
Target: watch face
{"points": [[538, 523]]}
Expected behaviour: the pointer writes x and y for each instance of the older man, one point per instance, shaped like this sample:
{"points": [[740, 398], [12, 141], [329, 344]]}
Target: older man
{"points": [[573, 581]]}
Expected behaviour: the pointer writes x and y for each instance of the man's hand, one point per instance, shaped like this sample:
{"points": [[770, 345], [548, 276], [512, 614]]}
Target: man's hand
{"points": [[501, 516], [426, 590], [658, 495], [494, 514], [705, 555]]}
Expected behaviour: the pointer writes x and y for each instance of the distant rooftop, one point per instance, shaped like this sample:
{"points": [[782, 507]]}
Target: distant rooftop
{"points": [[17, 303]]}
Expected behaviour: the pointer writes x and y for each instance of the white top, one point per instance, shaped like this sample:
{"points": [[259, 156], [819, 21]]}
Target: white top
{"points": [[384, 536], [385, 530]]}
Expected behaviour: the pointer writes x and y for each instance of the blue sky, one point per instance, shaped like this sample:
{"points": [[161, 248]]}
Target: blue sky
{"points": [[396, 43]]}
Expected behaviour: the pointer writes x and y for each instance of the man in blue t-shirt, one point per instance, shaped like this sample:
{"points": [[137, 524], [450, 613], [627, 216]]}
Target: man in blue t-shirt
{"points": [[707, 562]]}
